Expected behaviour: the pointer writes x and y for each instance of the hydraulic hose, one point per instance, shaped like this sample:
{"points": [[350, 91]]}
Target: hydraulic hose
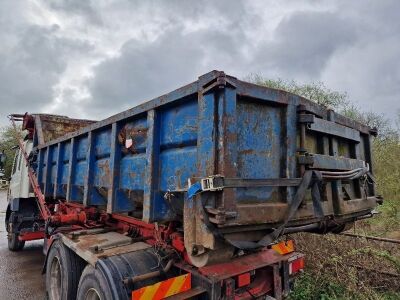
{"points": [[345, 175]]}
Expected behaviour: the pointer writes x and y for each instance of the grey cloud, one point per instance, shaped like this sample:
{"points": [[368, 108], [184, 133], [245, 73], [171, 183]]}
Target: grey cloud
{"points": [[146, 70], [31, 67], [351, 46], [369, 70], [83, 9], [304, 43]]}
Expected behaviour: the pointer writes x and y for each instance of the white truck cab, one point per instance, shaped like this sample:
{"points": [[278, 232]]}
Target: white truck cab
{"points": [[19, 186], [22, 210]]}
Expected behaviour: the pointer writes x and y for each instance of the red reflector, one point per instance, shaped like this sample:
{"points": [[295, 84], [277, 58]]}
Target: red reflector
{"points": [[243, 279], [296, 265]]}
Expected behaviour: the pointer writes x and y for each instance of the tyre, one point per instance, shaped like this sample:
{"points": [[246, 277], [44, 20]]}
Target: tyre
{"points": [[63, 271], [14, 244], [93, 285]]}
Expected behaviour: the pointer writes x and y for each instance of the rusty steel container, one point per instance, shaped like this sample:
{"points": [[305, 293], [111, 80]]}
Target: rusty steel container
{"points": [[242, 151]]}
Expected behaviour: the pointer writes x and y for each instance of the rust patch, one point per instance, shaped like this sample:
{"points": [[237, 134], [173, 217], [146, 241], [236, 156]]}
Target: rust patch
{"points": [[53, 126], [136, 134]]}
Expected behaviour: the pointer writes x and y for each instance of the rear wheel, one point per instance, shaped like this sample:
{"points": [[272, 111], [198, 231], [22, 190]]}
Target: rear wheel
{"points": [[93, 285], [63, 270]]}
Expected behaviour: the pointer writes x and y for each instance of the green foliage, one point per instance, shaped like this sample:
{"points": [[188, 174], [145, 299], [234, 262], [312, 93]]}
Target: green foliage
{"points": [[383, 254], [387, 171], [386, 166], [8, 140], [315, 91], [308, 287], [372, 119]]}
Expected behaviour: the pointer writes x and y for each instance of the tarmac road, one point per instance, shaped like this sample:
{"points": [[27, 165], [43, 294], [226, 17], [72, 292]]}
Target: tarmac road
{"points": [[20, 272]]}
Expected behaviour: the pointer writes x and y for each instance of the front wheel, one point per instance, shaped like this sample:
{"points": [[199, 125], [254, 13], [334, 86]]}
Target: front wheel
{"points": [[14, 244]]}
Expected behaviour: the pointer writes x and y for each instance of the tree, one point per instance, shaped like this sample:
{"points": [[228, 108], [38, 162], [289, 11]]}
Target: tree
{"points": [[373, 120], [315, 91], [8, 142]]}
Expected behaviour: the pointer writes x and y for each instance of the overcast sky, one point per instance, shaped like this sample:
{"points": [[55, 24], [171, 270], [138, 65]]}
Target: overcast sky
{"points": [[92, 59]]}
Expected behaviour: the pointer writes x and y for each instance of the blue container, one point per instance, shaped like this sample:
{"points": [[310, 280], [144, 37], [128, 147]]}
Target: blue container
{"points": [[139, 161]]}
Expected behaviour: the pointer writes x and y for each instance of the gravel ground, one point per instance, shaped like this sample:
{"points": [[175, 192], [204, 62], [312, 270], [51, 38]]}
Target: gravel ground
{"points": [[20, 272]]}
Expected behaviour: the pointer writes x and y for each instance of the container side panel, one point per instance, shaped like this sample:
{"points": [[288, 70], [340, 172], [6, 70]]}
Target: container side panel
{"points": [[132, 172], [80, 169], [53, 171], [206, 155], [129, 166], [71, 169], [78, 181], [177, 165], [101, 171], [132, 136], [66, 152], [102, 144], [62, 191], [178, 151], [98, 178], [179, 125], [259, 148], [178, 138], [63, 182], [81, 147]]}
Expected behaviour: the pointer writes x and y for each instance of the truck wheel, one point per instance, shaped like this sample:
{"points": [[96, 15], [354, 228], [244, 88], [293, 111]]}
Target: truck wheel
{"points": [[14, 244], [93, 285], [63, 270]]}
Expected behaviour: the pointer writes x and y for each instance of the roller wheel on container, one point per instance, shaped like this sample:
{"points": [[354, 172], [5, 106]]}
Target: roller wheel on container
{"points": [[14, 244], [93, 285], [63, 270]]}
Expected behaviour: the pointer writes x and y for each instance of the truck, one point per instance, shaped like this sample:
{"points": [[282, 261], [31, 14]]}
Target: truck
{"points": [[188, 196]]}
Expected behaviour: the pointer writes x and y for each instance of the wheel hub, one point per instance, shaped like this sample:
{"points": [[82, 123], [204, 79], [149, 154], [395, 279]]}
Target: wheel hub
{"points": [[92, 294]]}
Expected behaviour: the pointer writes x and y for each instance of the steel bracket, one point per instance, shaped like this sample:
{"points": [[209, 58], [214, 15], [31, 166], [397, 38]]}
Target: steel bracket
{"points": [[306, 118]]}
